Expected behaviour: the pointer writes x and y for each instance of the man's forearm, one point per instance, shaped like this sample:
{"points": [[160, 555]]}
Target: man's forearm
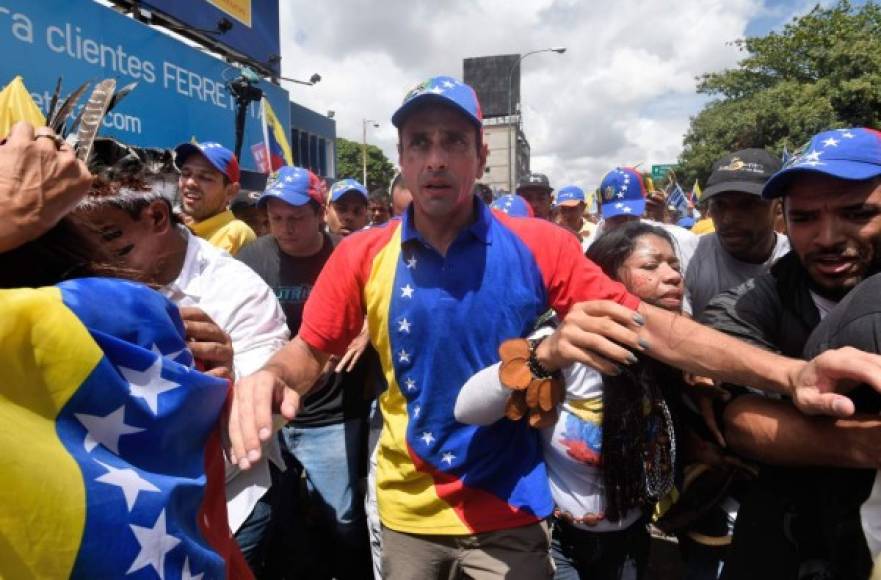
{"points": [[679, 341], [775, 432], [298, 365]]}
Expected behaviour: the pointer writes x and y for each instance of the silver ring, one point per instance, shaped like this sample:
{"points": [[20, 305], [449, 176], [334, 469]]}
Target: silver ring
{"points": [[55, 138]]}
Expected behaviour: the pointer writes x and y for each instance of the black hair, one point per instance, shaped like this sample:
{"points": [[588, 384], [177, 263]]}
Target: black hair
{"points": [[612, 248], [64, 252], [379, 195], [639, 447]]}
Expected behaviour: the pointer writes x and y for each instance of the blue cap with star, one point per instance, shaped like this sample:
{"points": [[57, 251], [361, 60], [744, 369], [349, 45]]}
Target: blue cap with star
{"points": [[569, 195], [294, 186], [344, 186], [622, 193], [217, 155], [513, 205], [851, 154], [441, 90]]}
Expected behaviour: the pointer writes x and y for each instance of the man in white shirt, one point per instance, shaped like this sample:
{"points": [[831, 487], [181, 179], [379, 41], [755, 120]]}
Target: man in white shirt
{"points": [[744, 244], [140, 228]]}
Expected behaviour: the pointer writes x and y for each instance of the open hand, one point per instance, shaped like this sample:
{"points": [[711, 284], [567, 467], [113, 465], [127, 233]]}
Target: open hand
{"points": [[815, 385]]}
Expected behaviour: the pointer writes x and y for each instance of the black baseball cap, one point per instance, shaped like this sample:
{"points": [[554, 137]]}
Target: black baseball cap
{"points": [[537, 180], [746, 170]]}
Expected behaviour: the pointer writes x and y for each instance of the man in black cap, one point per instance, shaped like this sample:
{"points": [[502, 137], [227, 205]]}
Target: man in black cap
{"points": [[244, 207], [744, 244], [536, 189]]}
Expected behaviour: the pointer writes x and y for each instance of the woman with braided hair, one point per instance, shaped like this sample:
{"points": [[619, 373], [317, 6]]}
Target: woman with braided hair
{"points": [[608, 441]]}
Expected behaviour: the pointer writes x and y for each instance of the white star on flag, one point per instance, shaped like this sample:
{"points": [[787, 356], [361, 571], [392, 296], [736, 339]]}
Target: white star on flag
{"points": [[830, 142], [105, 430], [436, 90], [172, 356], [620, 195], [404, 325], [148, 384], [155, 544], [812, 156], [449, 85], [411, 263], [627, 210], [619, 205], [416, 410], [448, 458], [846, 133], [186, 574], [411, 384], [403, 356], [407, 291], [127, 480], [428, 438]]}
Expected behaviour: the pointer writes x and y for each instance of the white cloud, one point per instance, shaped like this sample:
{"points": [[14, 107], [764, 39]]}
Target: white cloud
{"points": [[621, 94]]}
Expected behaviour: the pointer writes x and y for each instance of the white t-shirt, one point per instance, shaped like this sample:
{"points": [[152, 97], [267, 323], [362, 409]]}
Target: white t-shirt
{"points": [[571, 446], [245, 307], [713, 270]]}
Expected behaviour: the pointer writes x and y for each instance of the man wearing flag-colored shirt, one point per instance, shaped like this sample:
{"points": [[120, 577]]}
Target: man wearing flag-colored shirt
{"points": [[442, 288]]}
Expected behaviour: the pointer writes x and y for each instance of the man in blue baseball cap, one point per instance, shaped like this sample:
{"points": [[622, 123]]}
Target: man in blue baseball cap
{"points": [[442, 289], [209, 180], [803, 512], [326, 436], [569, 205], [347, 207]]}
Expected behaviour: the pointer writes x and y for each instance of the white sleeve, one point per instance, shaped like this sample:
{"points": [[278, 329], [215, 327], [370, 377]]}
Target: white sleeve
{"points": [[482, 400]]}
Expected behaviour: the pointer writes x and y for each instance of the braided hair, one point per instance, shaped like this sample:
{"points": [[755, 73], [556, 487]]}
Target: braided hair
{"points": [[638, 447]]}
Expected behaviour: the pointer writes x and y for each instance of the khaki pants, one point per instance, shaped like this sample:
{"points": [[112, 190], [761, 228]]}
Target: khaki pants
{"points": [[511, 554]]}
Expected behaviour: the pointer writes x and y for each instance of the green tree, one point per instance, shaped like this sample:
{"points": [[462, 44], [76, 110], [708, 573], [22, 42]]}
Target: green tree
{"points": [[822, 71], [349, 164]]}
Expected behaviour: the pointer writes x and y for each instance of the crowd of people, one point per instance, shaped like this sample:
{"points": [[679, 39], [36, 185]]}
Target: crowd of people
{"points": [[432, 381]]}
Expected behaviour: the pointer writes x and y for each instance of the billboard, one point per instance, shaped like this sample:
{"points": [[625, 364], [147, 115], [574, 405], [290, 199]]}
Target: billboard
{"points": [[496, 90], [181, 92], [254, 31]]}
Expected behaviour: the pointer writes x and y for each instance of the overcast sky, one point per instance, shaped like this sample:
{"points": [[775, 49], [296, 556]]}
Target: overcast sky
{"points": [[622, 94]]}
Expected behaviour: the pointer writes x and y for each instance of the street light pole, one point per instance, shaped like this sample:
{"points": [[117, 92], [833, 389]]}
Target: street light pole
{"points": [[364, 123], [512, 156]]}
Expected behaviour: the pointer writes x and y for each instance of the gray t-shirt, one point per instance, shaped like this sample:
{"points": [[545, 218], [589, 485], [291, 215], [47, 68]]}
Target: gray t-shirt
{"points": [[713, 270]]}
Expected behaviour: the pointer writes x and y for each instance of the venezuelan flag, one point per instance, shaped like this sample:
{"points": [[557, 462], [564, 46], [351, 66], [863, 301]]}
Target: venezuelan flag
{"points": [[111, 465], [274, 135]]}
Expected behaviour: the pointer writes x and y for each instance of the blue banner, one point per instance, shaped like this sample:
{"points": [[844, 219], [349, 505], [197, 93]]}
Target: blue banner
{"points": [[181, 91], [254, 31]]}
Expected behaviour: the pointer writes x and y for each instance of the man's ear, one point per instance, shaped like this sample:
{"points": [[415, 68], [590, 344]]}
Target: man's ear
{"points": [[158, 215], [482, 155], [232, 190]]}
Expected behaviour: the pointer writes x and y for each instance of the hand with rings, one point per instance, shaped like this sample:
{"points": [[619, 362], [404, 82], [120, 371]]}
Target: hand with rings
{"points": [[41, 181]]}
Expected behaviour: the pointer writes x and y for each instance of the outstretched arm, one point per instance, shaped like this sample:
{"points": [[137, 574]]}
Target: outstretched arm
{"points": [[599, 334], [279, 385]]}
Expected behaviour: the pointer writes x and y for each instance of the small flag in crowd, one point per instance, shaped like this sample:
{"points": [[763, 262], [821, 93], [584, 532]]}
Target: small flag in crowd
{"points": [[112, 464], [274, 151], [677, 199]]}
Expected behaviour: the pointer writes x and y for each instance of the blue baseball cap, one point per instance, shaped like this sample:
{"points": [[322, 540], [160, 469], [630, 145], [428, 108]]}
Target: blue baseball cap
{"points": [[513, 205], [221, 158], [622, 193], [570, 195], [852, 154], [686, 222], [441, 90], [293, 185], [344, 186]]}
